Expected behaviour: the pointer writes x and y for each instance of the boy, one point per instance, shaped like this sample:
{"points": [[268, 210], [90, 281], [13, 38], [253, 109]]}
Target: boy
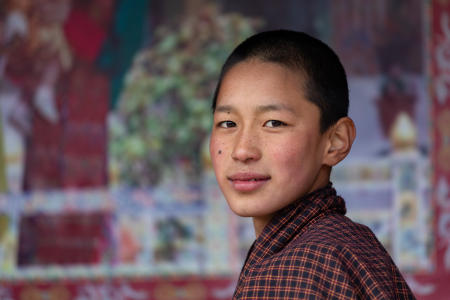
{"points": [[280, 124]]}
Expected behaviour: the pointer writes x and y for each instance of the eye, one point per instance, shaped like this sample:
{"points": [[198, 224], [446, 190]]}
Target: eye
{"points": [[274, 123], [226, 124]]}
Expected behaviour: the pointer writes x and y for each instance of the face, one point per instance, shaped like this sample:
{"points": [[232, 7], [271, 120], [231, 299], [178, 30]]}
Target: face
{"points": [[266, 146]]}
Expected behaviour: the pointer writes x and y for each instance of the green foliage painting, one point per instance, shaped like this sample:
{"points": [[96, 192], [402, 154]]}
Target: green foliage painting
{"points": [[164, 115]]}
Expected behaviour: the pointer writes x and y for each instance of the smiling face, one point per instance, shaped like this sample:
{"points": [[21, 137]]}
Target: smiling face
{"points": [[266, 146]]}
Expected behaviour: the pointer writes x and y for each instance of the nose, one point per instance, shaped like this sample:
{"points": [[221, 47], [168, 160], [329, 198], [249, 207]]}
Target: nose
{"points": [[246, 147]]}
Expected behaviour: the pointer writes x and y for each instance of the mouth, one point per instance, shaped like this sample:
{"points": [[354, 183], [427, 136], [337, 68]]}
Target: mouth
{"points": [[248, 182]]}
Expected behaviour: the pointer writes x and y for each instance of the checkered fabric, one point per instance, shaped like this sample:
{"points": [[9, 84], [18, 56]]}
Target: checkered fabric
{"points": [[310, 250]]}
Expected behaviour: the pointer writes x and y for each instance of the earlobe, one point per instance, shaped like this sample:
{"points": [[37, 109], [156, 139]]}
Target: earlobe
{"points": [[340, 140]]}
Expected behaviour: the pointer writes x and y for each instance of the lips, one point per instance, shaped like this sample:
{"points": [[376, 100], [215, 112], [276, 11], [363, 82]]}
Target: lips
{"points": [[248, 182]]}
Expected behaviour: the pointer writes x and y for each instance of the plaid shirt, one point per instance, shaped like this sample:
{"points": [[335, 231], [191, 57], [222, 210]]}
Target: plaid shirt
{"points": [[310, 250]]}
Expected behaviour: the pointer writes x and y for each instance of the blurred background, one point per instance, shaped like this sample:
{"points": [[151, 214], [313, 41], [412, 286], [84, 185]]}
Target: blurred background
{"points": [[106, 185]]}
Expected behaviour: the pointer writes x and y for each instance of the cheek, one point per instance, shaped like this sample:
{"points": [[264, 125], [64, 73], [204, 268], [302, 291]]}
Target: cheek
{"points": [[293, 159], [286, 151], [288, 160], [216, 150]]}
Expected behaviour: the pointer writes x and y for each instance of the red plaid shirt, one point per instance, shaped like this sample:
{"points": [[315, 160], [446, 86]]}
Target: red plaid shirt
{"points": [[310, 250]]}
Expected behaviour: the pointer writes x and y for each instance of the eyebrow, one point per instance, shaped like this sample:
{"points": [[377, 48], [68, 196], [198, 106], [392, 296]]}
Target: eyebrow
{"points": [[224, 108], [259, 109], [274, 107]]}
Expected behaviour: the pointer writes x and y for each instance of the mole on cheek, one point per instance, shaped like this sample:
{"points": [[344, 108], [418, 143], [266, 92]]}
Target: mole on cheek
{"points": [[220, 152]]}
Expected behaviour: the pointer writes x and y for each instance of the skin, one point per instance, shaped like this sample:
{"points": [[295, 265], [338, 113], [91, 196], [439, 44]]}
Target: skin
{"points": [[266, 146]]}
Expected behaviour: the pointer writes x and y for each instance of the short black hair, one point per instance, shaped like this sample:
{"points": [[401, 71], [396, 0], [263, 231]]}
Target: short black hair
{"points": [[325, 79]]}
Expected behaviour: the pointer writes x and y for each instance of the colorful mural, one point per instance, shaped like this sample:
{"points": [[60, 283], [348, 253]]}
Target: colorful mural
{"points": [[107, 189]]}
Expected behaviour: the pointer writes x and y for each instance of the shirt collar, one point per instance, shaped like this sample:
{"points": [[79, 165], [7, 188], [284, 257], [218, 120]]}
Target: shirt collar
{"points": [[288, 222]]}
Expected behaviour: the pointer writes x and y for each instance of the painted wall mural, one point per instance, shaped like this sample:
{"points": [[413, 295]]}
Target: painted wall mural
{"points": [[106, 186]]}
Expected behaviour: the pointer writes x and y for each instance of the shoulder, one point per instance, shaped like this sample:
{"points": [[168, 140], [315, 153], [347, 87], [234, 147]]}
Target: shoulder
{"points": [[342, 239], [340, 254], [326, 249], [338, 232]]}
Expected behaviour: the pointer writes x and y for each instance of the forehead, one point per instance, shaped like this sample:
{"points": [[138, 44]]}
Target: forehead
{"points": [[261, 83]]}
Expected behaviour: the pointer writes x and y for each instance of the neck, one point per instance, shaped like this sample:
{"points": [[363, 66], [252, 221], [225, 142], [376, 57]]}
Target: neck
{"points": [[259, 223]]}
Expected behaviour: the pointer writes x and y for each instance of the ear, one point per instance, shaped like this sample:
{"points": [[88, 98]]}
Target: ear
{"points": [[340, 139]]}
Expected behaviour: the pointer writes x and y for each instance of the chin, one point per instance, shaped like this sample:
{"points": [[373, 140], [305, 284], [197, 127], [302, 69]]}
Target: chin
{"points": [[239, 210], [243, 215], [247, 213]]}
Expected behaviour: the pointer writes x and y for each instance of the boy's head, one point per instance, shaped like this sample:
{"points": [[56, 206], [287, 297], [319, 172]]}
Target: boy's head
{"points": [[280, 122], [325, 81]]}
